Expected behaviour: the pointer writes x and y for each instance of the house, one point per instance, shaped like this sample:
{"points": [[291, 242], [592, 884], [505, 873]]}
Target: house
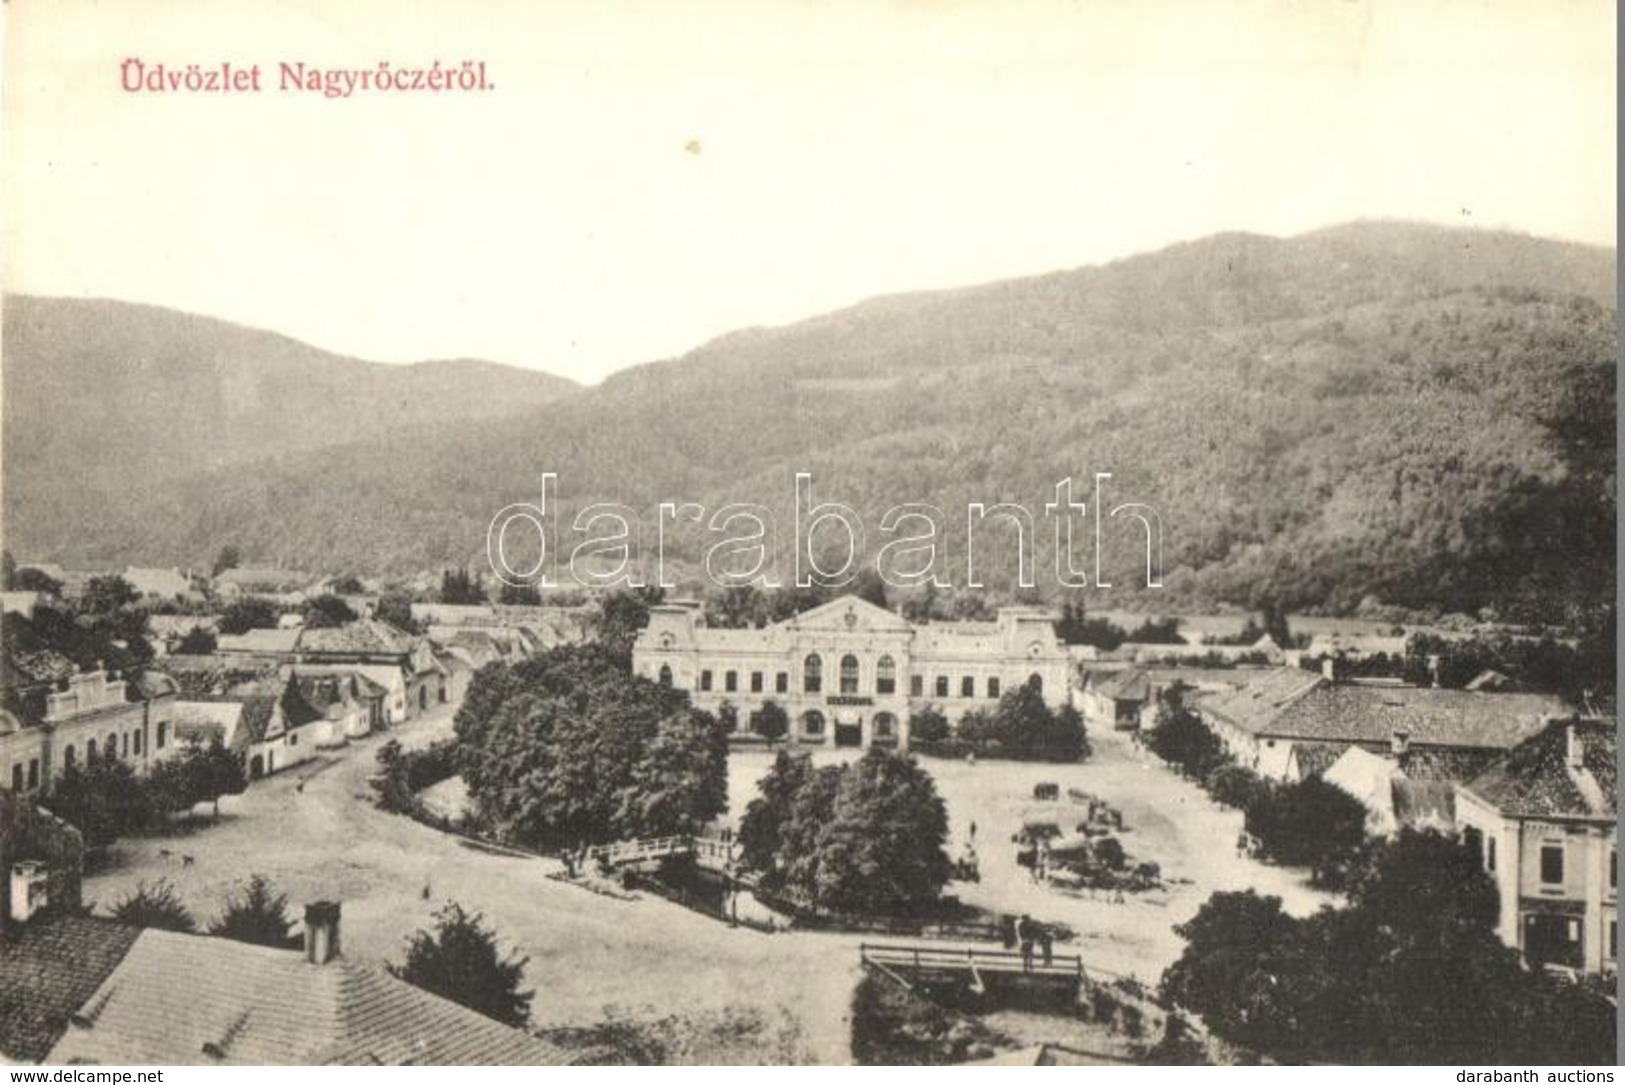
{"points": [[381, 686], [235, 583], [166, 584], [78, 990], [1463, 732], [260, 642], [1543, 821], [199, 723], [78, 717], [1115, 698], [372, 642], [1393, 800], [20, 602], [850, 673]]}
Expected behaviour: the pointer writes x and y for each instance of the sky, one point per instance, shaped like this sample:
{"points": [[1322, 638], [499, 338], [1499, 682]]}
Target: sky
{"points": [[641, 177]]}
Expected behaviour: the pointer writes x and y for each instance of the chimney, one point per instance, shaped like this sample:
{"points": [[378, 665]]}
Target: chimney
{"points": [[1399, 743], [321, 931], [1574, 747]]}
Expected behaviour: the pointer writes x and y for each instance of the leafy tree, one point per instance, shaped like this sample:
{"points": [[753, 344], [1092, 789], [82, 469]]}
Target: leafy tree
{"points": [[1310, 823], [866, 837], [349, 584], [569, 748], [1362, 983], [459, 960], [228, 558], [157, 906], [870, 587], [928, 725], [1108, 852], [761, 829], [739, 606], [76, 799], [327, 611], [1076, 627], [216, 773], [1024, 727], [259, 916], [198, 641], [106, 595], [1235, 786], [457, 587], [728, 715], [396, 609], [1157, 631], [519, 595], [241, 615], [770, 720], [31, 579], [1180, 738], [622, 614]]}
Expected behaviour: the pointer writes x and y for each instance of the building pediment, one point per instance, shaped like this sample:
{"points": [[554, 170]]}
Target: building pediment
{"points": [[848, 614]]}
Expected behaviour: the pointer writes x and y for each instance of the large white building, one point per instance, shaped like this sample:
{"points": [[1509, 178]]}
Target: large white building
{"points": [[850, 673]]}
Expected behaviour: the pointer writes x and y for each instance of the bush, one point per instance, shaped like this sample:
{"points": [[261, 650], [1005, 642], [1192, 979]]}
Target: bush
{"points": [[459, 960], [157, 906]]}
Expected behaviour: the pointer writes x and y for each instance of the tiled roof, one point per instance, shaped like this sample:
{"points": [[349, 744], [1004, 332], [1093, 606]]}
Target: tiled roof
{"points": [[47, 971], [1301, 706], [270, 641], [365, 637], [176, 994], [1535, 780]]}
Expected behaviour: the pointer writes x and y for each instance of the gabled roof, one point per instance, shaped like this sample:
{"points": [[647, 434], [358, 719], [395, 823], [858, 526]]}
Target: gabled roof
{"points": [[1536, 780], [368, 636], [1300, 705], [848, 612], [174, 995], [267, 641], [47, 971]]}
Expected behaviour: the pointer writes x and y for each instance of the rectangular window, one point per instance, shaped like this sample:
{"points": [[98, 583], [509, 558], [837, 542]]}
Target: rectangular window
{"points": [[1613, 869], [967, 686], [705, 681], [1613, 939], [885, 685], [730, 682], [33, 773], [782, 683], [126, 744], [993, 688], [1489, 855], [942, 685], [163, 733], [916, 685], [1551, 864], [756, 681], [17, 779], [138, 743]]}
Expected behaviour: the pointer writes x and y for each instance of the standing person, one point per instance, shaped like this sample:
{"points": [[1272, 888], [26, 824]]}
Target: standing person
{"points": [[1046, 944], [1024, 935]]}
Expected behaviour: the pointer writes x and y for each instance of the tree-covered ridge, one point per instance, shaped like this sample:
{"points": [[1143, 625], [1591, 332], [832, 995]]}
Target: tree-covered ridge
{"points": [[1416, 414]]}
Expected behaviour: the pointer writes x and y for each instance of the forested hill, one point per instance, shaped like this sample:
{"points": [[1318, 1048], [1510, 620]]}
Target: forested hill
{"points": [[103, 398], [1419, 414]]}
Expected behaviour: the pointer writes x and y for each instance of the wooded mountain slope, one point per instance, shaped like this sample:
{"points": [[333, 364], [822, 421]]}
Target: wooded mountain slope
{"points": [[1420, 414]]}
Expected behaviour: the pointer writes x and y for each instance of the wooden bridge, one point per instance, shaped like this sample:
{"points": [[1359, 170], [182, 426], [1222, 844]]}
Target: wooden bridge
{"points": [[979, 970], [708, 850]]}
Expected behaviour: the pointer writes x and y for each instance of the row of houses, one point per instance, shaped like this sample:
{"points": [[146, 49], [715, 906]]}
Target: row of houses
{"points": [[1522, 779], [276, 696]]}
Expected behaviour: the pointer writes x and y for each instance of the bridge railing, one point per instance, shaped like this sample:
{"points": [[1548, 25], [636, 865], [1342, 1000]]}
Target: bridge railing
{"points": [[939, 958]]}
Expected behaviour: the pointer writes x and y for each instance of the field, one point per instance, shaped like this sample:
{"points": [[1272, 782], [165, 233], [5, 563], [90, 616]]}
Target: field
{"points": [[315, 833]]}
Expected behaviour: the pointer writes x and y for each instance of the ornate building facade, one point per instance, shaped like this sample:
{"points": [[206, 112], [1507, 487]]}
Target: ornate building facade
{"points": [[849, 673]]}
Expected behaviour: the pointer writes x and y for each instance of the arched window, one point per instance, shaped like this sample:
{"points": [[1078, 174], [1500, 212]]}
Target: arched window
{"points": [[665, 674], [812, 677], [849, 674], [68, 756], [885, 676], [812, 724], [1036, 682], [112, 746], [90, 752]]}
